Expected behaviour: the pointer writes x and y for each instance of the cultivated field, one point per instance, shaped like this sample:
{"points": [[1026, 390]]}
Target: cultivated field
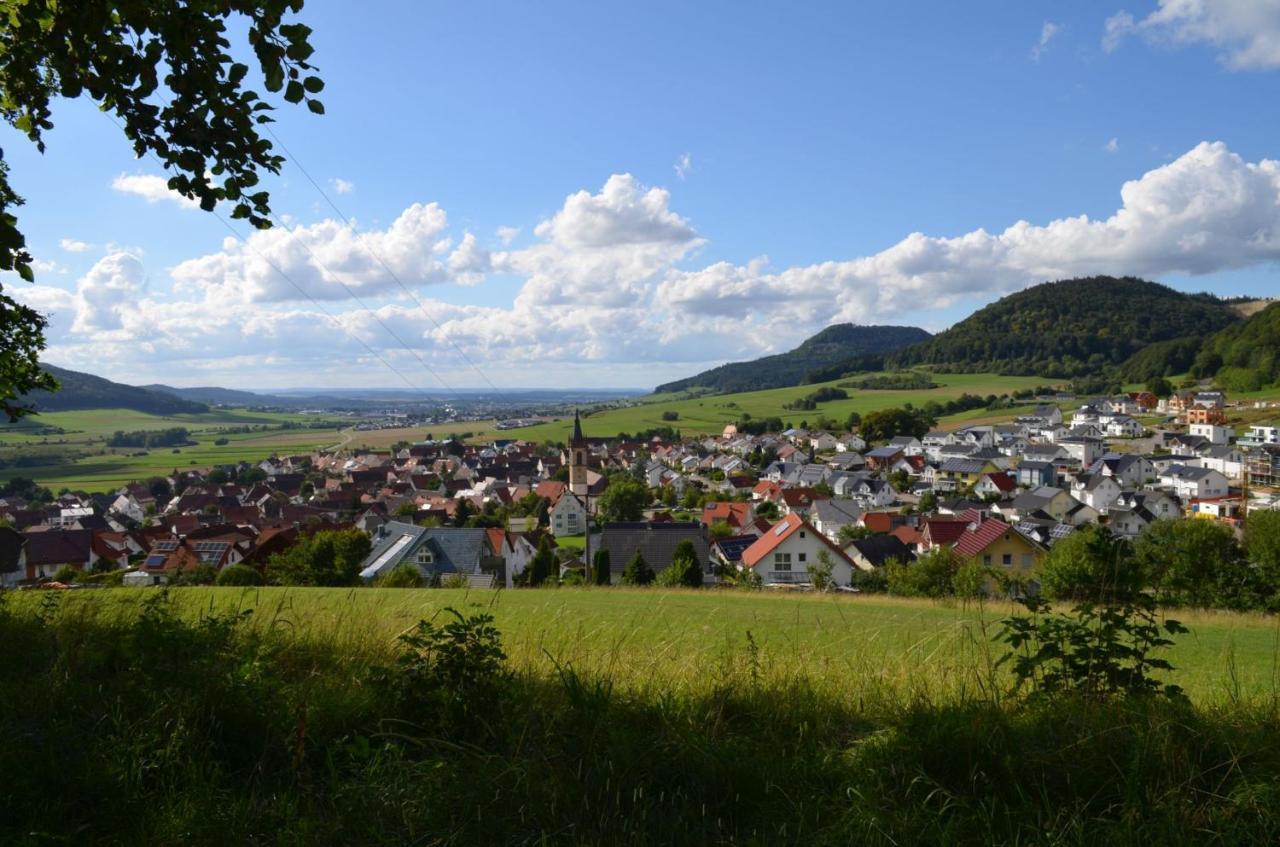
{"points": [[100, 468], [710, 414]]}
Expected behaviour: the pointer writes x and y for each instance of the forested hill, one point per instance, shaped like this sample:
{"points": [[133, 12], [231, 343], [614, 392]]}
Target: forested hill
{"points": [[832, 346], [1244, 356], [1070, 328], [85, 391]]}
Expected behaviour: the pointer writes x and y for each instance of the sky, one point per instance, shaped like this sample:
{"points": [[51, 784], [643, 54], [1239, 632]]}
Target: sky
{"points": [[610, 194]]}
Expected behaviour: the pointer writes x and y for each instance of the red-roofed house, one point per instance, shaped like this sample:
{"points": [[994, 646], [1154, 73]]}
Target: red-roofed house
{"points": [[783, 555], [994, 485], [736, 515], [999, 546]]}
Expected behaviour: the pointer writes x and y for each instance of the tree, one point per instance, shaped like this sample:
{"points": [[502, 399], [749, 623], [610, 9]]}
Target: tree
{"points": [[543, 564], [67, 574], [768, 510], [1091, 564], [928, 501], [1159, 386], [623, 500], [238, 575], [1262, 540], [1193, 562], [600, 567], [933, 574], [407, 509], [820, 573], [328, 558], [167, 73], [684, 570], [637, 571]]}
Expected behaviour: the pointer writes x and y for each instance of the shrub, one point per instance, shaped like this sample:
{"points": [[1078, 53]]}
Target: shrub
{"points": [[239, 574], [1090, 564], [684, 569], [637, 571], [931, 575], [600, 569], [404, 575], [67, 574]]}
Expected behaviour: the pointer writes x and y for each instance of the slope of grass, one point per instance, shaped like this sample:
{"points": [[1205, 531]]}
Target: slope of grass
{"points": [[620, 717], [709, 414]]}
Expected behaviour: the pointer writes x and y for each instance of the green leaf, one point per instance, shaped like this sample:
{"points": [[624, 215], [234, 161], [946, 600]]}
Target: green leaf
{"points": [[316, 106], [294, 92], [313, 84]]}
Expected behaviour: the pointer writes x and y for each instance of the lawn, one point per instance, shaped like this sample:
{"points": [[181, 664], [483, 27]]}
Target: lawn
{"points": [[709, 414]]}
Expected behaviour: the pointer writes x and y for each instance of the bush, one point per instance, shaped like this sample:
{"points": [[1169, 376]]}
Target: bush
{"points": [[600, 568], [931, 575], [684, 569], [403, 575], [637, 571], [1090, 564], [239, 574], [67, 574], [671, 416]]}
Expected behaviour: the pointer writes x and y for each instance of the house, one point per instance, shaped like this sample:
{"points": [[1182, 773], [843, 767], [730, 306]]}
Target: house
{"points": [[735, 514], [908, 444], [1127, 469], [994, 485], [1037, 474], [1259, 435], [1084, 449], [1123, 426], [568, 516], [435, 552], [830, 516], [876, 551], [726, 553], [49, 550], [1225, 459], [1000, 546], [656, 543], [959, 474], [883, 457], [1096, 490], [1192, 482], [1054, 502], [13, 557], [784, 554], [1214, 433]]}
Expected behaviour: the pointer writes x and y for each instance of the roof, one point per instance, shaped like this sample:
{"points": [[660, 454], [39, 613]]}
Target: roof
{"points": [[837, 511], [656, 543], [982, 533], [878, 550], [732, 548], [733, 513], [59, 547], [1001, 481], [779, 533]]}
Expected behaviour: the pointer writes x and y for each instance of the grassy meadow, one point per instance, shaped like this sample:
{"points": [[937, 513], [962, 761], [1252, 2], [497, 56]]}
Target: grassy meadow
{"points": [[603, 716], [709, 414]]}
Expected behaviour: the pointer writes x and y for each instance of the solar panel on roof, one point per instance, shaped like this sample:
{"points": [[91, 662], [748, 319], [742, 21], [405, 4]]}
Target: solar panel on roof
{"points": [[154, 561]]}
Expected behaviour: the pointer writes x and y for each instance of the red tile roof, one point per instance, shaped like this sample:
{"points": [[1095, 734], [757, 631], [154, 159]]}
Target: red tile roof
{"points": [[734, 514], [980, 535]]}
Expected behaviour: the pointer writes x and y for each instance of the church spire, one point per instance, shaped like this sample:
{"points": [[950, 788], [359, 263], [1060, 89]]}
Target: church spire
{"points": [[577, 428]]}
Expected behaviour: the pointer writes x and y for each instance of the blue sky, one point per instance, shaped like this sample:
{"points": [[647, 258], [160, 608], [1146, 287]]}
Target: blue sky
{"points": [[626, 193]]}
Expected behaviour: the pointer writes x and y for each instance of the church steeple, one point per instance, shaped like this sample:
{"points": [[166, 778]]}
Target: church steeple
{"points": [[578, 482]]}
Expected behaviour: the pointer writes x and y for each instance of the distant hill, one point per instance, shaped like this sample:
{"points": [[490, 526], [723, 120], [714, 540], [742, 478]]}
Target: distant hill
{"points": [[833, 347], [215, 396], [1244, 356], [1070, 328], [85, 391]]}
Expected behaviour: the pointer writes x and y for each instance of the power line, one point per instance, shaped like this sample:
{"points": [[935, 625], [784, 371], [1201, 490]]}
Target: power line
{"points": [[298, 164]]}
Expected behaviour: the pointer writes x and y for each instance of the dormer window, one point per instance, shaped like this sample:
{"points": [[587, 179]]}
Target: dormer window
{"points": [[425, 557]]}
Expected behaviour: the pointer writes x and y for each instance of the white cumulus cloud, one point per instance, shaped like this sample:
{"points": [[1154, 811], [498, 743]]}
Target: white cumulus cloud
{"points": [[1047, 31], [1245, 32], [71, 245], [151, 188], [342, 186]]}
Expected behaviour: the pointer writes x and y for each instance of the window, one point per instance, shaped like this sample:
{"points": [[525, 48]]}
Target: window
{"points": [[986, 559], [424, 556], [1026, 560], [802, 557], [1007, 560], [802, 536], [782, 561]]}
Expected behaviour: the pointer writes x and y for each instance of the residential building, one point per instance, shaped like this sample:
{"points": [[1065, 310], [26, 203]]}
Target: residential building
{"points": [[784, 554]]}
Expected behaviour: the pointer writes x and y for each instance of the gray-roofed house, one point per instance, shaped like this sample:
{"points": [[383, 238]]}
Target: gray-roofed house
{"points": [[1037, 474], [656, 542], [435, 552], [830, 516]]}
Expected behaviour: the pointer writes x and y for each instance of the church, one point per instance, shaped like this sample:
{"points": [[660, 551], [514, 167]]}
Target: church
{"points": [[584, 483]]}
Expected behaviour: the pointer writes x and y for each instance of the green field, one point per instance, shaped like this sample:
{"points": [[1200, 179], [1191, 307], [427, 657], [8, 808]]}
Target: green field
{"points": [[100, 468], [709, 414], [610, 716], [669, 639]]}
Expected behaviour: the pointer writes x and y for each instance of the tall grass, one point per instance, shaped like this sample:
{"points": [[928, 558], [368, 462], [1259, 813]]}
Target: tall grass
{"points": [[618, 717]]}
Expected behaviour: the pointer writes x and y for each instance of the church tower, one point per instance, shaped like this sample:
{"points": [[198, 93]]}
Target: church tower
{"points": [[578, 459]]}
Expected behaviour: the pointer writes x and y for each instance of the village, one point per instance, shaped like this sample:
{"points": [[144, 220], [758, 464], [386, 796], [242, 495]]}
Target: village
{"points": [[763, 508]]}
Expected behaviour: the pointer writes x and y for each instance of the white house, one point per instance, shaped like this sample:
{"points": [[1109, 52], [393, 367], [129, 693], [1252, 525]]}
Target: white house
{"points": [[784, 554], [1188, 482], [1096, 490], [1214, 433], [1225, 459], [568, 516]]}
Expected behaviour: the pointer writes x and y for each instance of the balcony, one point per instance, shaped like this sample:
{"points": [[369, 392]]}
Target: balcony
{"points": [[786, 577]]}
